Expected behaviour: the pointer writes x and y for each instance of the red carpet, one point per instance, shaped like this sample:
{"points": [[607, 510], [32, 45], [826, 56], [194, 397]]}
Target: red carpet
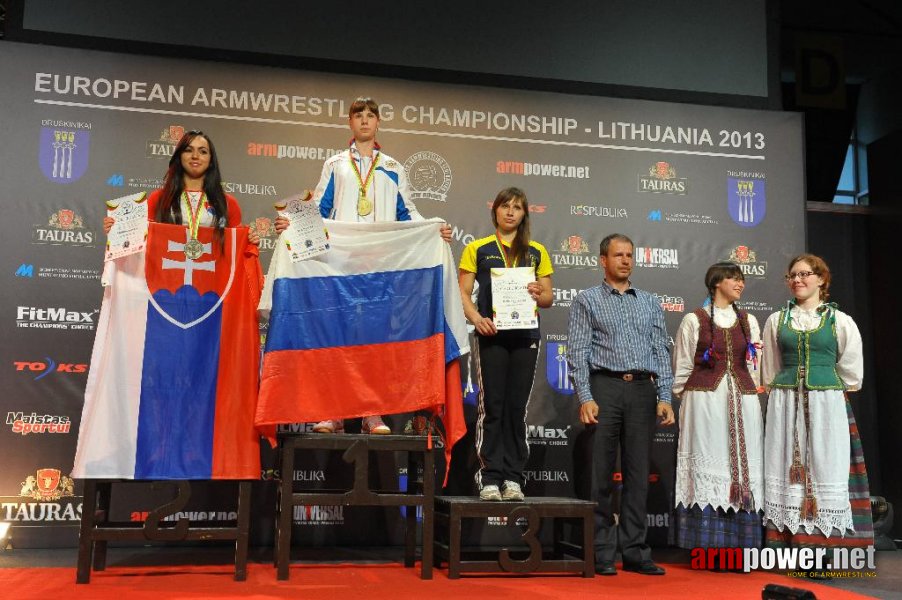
{"points": [[389, 581]]}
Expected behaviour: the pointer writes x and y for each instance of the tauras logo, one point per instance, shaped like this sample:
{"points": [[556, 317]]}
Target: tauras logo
{"points": [[34, 423], [64, 227], [560, 476], [40, 511]]}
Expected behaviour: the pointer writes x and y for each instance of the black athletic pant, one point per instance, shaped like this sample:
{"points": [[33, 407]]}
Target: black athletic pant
{"points": [[507, 365]]}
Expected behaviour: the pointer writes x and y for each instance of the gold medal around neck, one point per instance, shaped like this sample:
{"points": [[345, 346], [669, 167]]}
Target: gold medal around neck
{"points": [[194, 249], [364, 206]]}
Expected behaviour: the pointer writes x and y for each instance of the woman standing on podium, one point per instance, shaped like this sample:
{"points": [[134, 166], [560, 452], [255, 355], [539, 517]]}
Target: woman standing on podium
{"points": [[192, 192], [719, 475], [506, 358]]}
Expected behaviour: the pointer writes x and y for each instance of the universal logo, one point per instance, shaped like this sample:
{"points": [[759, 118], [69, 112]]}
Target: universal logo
{"points": [[661, 178], [429, 175]]}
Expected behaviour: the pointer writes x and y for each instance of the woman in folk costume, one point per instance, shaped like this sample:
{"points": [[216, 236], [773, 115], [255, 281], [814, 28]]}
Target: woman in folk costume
{"points": [[816, 486], [719, 483]]}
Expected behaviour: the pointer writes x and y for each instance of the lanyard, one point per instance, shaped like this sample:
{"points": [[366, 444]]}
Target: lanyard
{"points": [[362, 183], [505, 253], [194, 213]]}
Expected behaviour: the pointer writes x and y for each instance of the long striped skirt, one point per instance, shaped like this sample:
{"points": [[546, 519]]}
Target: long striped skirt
{"points": [[859, 498]]}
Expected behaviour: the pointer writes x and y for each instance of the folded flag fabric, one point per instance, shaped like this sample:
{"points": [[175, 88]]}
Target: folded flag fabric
{"points": [[172, 386], [374, 326]]}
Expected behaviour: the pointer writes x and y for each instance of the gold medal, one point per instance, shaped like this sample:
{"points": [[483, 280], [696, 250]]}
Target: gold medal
{"points": [[364, 206], [194, 249]]}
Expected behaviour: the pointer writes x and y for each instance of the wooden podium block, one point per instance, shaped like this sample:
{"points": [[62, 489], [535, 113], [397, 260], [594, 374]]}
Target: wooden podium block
{"points": [[451, 510], [356, 449]]}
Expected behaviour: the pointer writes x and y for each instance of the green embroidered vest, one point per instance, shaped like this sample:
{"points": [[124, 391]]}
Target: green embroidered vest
{"points": [[814, 350]]}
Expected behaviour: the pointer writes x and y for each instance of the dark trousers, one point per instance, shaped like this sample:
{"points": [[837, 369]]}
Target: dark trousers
{"points": [[626, 420], [507, 366]]}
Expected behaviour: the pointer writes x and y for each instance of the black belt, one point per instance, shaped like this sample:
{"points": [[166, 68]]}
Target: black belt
{"points": [[625, 375]]}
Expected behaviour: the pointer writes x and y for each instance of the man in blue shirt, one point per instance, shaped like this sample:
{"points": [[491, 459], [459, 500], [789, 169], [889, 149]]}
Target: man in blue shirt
{"points": [[620, 366]]}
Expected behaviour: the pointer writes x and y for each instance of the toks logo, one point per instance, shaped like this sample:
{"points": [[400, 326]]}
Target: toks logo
{"points": [[64, 227], [747, 261], [662, 179], [47, 485], [34, 423], [43, 369]]}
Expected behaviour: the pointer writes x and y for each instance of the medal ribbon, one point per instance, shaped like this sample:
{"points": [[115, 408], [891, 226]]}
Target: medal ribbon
{"points": [[194, 214], [361, 183], [505, 253]]}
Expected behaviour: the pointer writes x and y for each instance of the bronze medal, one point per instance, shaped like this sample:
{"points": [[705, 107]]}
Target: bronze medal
{"points": [[193, 249]]}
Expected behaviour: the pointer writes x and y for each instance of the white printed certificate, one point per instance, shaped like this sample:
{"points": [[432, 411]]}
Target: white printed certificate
{"points": [[512, 306], [129, 232]]}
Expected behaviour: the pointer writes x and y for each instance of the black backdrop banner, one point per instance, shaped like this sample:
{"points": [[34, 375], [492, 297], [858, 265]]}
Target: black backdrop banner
{"points": [[691, 185]]}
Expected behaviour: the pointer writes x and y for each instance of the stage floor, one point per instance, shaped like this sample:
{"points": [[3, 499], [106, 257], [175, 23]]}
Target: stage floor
{"points": [[372, 573]]}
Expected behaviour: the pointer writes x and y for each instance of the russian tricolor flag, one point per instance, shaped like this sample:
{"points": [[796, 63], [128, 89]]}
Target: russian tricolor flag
{"points": [[172, 387], [374, 326]]}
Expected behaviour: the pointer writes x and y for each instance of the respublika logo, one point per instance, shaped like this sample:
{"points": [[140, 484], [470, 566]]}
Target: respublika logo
{"points": [[429, 175], [64, 150], [557, 370], [749, 264], [54, 318], [25, 424], [661, 178], [660, 258], [588, 210], [547, 476], [64, 228], [573, 254], [43, 368], [746, 199]]}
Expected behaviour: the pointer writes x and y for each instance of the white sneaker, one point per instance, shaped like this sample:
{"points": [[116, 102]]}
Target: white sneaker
{"points": [[490, 492], [374, 425], [330, 426], [512, 492]]}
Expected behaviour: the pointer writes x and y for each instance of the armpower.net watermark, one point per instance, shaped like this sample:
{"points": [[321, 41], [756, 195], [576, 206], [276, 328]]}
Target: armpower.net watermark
{"points": [[838, 563]]}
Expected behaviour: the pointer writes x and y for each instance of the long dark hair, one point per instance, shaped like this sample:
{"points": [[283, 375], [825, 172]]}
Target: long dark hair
{"points": [[169, 210], [715, 274], [520, 243]]}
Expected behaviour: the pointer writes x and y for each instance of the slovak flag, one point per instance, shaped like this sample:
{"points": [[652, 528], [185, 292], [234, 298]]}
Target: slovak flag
{"points": [[374, 326], [172, 387]]}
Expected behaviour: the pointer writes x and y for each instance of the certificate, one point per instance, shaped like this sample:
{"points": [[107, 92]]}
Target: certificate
{"points": [[306, 235], [512, 306], [129, 232]]}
